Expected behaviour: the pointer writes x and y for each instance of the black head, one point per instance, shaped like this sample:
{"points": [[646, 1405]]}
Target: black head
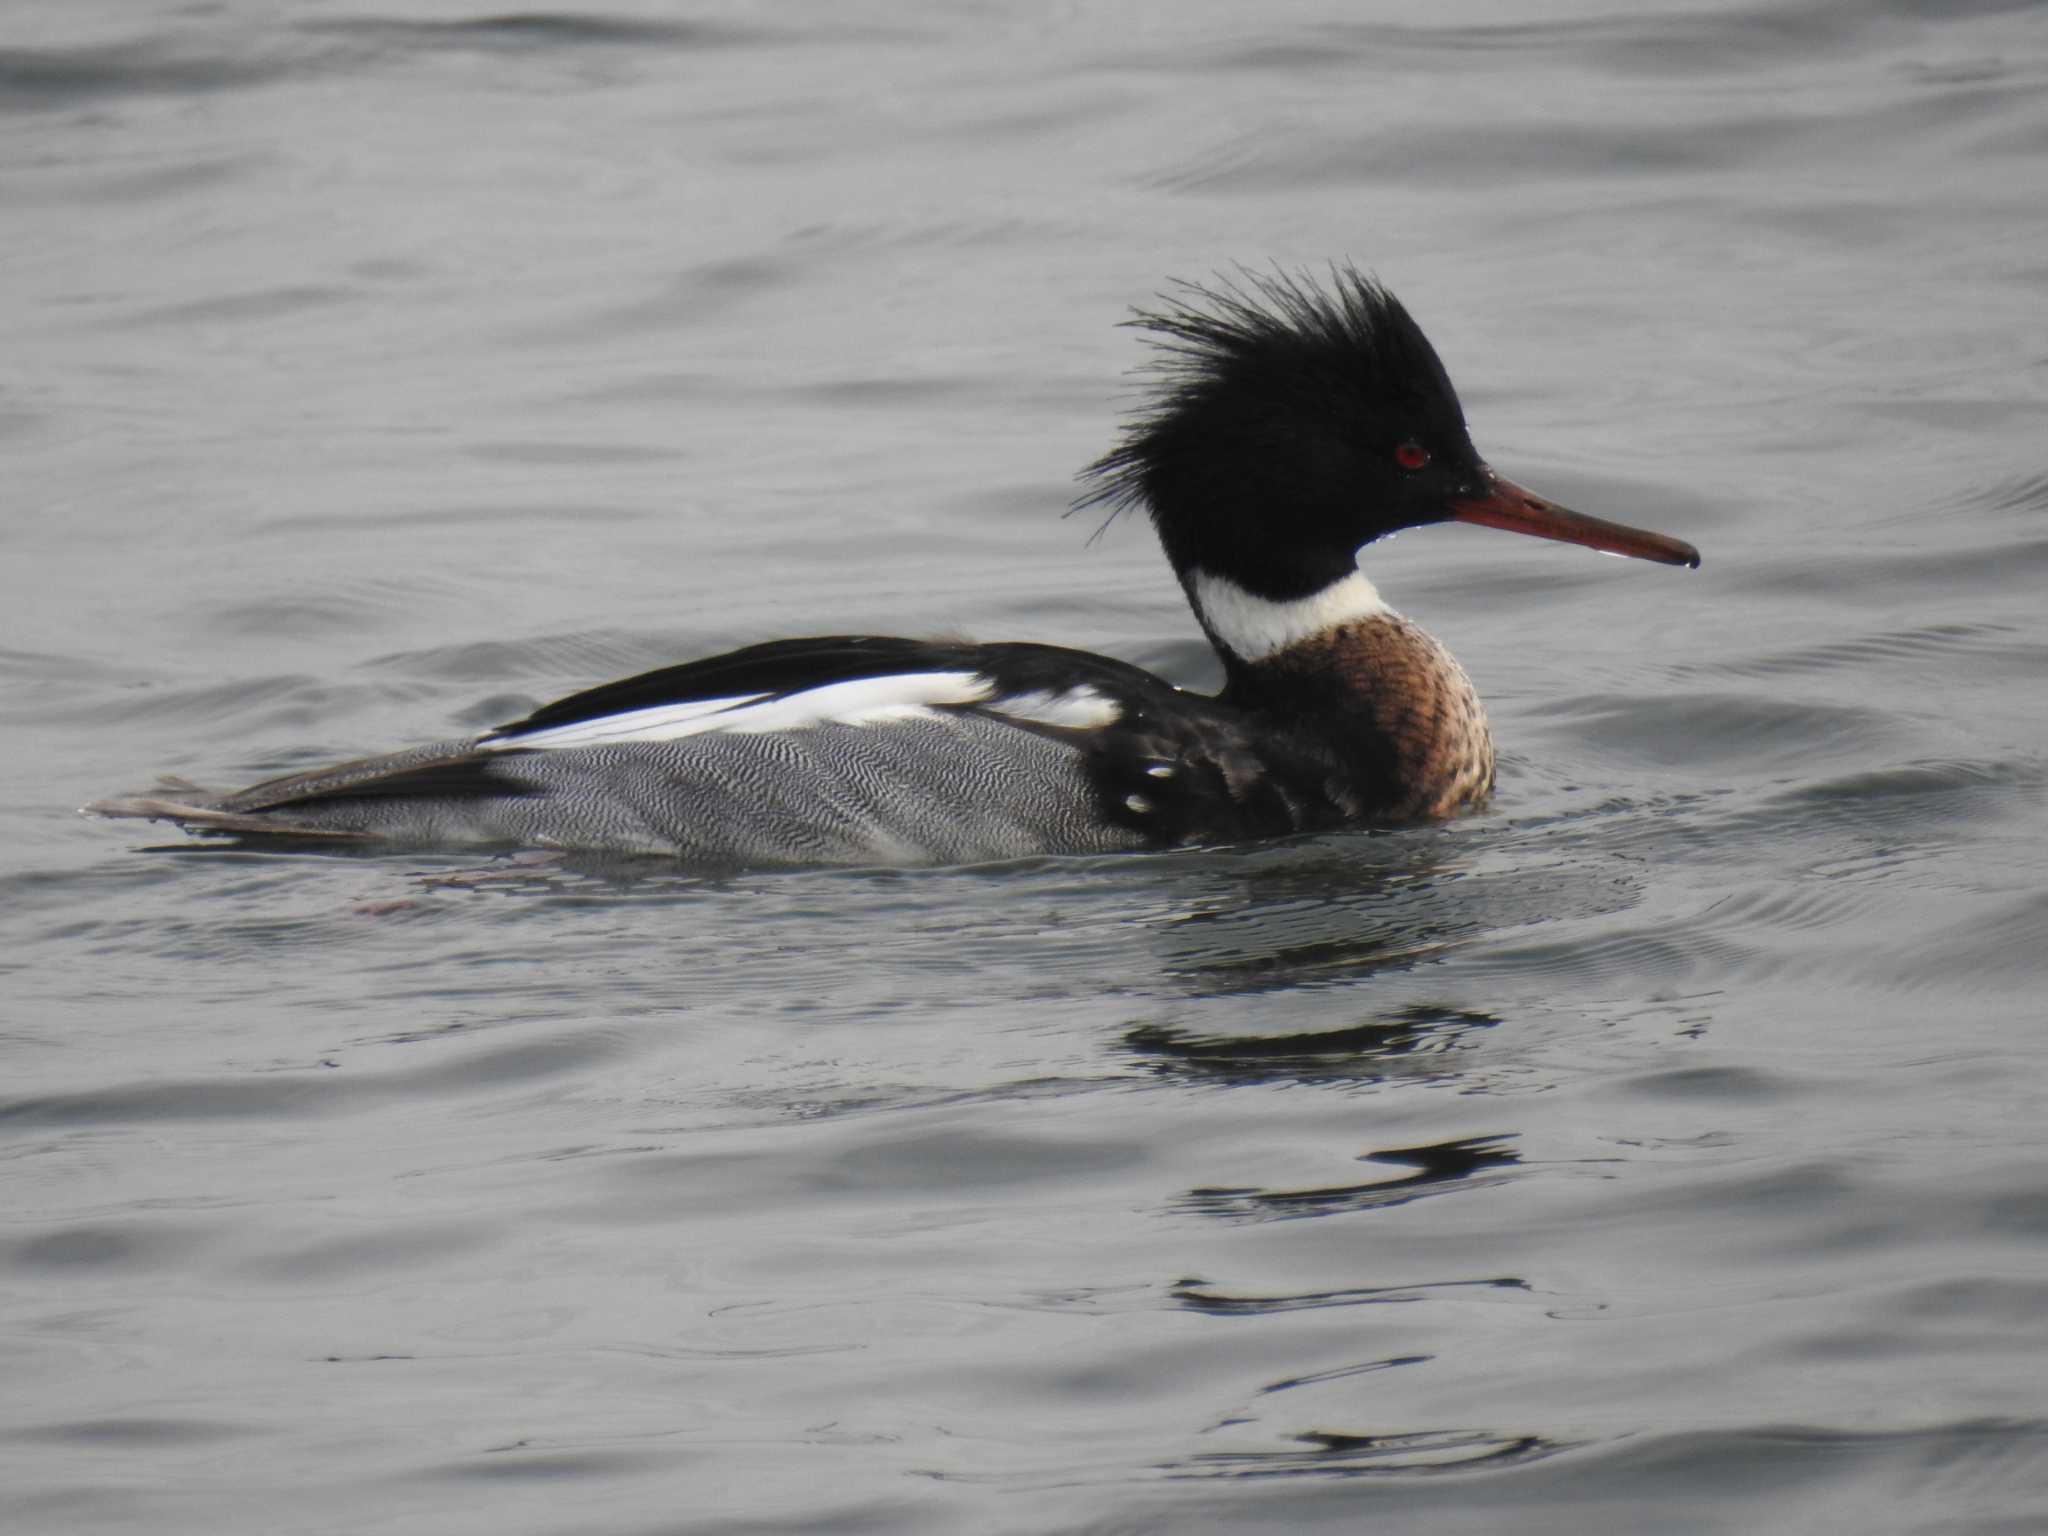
{"points": [[1293, 423]]}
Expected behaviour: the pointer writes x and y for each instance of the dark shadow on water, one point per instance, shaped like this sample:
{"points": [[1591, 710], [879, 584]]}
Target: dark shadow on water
{"points": [[1328, 909], [1343, 1372], [536, 30], [1363, 1052], [1438, 1170], [1337, 909], [1197, 1296], [1328, 1453]]}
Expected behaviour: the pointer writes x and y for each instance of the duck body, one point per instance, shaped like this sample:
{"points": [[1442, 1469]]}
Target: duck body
{"points": [[908, 752], [1292, 426]]}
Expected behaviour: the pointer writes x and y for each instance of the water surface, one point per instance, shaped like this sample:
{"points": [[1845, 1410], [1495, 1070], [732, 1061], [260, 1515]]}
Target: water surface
{"points": [[1660, 1150]]}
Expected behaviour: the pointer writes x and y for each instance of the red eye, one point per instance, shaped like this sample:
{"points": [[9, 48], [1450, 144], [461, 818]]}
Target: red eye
{"points": [[1411, 455]]}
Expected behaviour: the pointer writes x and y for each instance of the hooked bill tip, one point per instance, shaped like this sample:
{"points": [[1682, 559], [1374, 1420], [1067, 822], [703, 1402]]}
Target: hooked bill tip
{"points": [[1504, 504]]}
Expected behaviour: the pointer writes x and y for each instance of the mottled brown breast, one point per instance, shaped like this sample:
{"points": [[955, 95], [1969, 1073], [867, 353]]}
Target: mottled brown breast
{"points": [[1404, 694]]}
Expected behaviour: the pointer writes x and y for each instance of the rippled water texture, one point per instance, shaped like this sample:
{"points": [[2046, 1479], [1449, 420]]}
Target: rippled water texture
{"points": [[1660, 1151]]}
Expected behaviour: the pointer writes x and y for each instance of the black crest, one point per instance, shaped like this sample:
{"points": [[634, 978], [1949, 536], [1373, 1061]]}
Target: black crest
{"points": [[1283, 338]]}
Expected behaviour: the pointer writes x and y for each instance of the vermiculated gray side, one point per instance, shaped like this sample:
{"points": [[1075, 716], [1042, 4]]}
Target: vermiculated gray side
{"points": [[946, 789]]}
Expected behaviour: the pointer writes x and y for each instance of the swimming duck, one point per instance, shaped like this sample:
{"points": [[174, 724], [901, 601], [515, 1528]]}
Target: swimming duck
{"points": [[1293, 423]]}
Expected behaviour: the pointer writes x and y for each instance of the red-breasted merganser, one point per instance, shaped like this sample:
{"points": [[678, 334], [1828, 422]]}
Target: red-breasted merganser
{"points": [[1293, 423]]}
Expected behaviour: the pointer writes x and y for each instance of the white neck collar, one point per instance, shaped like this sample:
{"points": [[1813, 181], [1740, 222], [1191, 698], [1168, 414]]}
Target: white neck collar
{"points": [[1253, 628]]}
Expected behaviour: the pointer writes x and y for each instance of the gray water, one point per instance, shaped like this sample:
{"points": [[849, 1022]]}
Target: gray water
{"points": [[1662, 1150]]}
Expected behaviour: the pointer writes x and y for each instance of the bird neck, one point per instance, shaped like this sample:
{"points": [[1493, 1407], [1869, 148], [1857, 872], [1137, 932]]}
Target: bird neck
{"points": [[1341, 666], [1249, 629]]}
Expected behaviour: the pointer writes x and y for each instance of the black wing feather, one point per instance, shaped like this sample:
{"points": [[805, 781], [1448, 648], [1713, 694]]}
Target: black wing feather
{"points": [[440, 773], [780, 668], [1200, 772], [775, 667]]}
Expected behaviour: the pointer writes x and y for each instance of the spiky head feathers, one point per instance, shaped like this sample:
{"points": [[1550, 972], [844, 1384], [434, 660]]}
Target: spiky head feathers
{"points": [[1292, 423]]}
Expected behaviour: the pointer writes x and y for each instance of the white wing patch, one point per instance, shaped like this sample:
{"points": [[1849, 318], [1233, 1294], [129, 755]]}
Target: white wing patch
{"points": [[1080, 707], [863, 701], [660, 722]]}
